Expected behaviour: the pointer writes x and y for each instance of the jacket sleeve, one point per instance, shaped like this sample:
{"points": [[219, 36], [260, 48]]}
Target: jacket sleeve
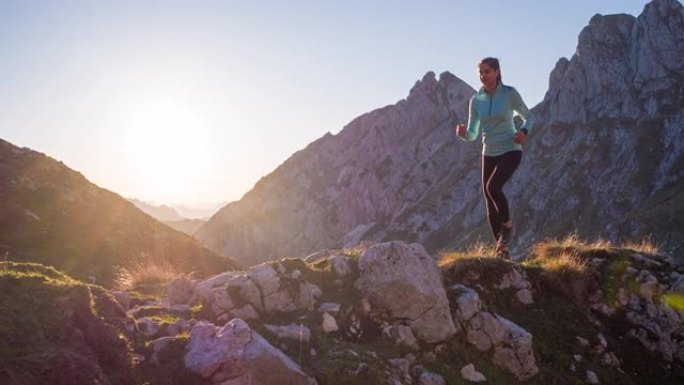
{"points": [[473, 123], [521, 108]]}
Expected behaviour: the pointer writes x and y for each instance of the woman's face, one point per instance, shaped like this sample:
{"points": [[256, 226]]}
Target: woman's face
{"points": [[488, 75]]}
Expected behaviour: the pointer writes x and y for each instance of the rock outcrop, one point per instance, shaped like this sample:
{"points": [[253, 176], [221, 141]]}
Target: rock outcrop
{"points": [[511, 344], [612, 316], [610, 135], [404, 280]]}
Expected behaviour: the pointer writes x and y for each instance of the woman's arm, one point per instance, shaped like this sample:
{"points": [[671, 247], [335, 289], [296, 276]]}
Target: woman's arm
{"points": [[473, 123], [521, 108]]}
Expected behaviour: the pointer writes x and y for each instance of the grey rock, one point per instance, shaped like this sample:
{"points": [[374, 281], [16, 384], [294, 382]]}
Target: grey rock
{"points": [[180, 290], [515, 353], [592, 378], [467, 302], [484, 330], [403, 336], [329, 324], [430, 378], [246, 313], [236, 354], [221, 302], [246, 289], [308, 296], [404, 280], [292, 332], [525, 296], [204, 288], [514, 279], [469, 373]]}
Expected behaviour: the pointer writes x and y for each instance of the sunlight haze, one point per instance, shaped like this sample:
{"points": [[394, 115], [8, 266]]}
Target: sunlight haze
{"points": [[189, 102]]}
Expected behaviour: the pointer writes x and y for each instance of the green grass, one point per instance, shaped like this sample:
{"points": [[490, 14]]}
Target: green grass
{"points": [[51, 329]]}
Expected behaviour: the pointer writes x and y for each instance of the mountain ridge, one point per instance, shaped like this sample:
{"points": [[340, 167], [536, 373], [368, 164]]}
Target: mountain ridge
{"points": [[623, 83]]}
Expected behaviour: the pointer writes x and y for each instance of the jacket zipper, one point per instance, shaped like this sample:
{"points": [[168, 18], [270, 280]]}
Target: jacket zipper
{"points": [[491, 99]]}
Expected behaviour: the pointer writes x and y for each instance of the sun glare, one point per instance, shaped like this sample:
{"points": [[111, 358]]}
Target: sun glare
{"points": [[168, 150]]}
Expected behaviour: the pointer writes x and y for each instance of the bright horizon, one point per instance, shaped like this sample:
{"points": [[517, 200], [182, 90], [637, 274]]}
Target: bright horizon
{"points": [[180, 102]]}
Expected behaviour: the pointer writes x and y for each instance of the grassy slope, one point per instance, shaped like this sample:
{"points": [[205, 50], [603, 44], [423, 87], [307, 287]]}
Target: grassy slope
{"points": [[53, 215], [56, 330]]}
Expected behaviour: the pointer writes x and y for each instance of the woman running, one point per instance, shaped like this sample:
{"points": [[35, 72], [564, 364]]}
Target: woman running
{"points": [[491, 111]]}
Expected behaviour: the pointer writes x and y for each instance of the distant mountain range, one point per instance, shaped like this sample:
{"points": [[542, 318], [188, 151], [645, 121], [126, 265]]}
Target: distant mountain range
{"points": [[170, 216], [160, 212], [53, 215], [167, 213], [606, 158]]}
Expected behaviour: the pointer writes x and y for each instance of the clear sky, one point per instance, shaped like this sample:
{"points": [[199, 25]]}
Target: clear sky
{"points": [[194, 101]]}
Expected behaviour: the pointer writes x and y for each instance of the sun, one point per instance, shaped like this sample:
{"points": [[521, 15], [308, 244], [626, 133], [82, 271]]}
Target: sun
{"points": [[168, 150]]}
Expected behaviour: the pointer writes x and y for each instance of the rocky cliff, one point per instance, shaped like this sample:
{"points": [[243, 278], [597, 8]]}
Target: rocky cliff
{"points": [[605, 159], [608, 155], [53, 215]]}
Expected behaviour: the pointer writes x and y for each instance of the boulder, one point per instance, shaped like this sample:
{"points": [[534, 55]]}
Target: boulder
{"points": [[515, 351], [329, 324], [404, 280], [180, 291], [467, 302], [247, 290], [236, 354], [469, 373], [203, 289], [268, 281], [402, 336], [512, 344]]}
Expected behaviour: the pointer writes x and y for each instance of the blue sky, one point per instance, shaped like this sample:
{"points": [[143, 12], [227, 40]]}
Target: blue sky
{"points": [[194, 101]]}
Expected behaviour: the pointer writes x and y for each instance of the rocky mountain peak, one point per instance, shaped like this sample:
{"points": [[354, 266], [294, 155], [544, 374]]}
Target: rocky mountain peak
{"points": [[624, 67], [342, 186]]}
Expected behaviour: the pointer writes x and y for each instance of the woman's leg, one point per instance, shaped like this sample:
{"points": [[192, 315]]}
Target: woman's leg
{"points": [[488, 167], [504, 167]]}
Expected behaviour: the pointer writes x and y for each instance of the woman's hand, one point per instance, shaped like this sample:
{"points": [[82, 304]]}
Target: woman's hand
{"points": [[461, 130], [519, 137]]}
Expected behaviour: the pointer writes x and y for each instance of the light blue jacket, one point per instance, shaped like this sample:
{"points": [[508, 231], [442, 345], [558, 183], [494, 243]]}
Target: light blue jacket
{"points": [[494, 115]]}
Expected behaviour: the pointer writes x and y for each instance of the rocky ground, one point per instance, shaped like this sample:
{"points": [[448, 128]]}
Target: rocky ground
{"points": [[385, 313]]}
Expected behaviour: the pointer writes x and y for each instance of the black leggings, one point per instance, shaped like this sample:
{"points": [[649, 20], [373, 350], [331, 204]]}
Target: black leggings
{"points": [[496, 171]]}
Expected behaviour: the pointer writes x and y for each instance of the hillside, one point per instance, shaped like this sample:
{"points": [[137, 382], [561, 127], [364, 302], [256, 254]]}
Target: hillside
{"points": [[53, 215], [605, 159], [569, 313]]}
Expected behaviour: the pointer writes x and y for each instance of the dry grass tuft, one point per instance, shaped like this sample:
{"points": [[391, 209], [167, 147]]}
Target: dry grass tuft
{"points": [[146, 270], [571, 245], [478, 251], [645, 246], [561, 263]]}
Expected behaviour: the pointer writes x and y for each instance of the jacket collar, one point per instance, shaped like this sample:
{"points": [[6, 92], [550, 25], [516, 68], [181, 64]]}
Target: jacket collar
{"points": [[498, 89]]}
